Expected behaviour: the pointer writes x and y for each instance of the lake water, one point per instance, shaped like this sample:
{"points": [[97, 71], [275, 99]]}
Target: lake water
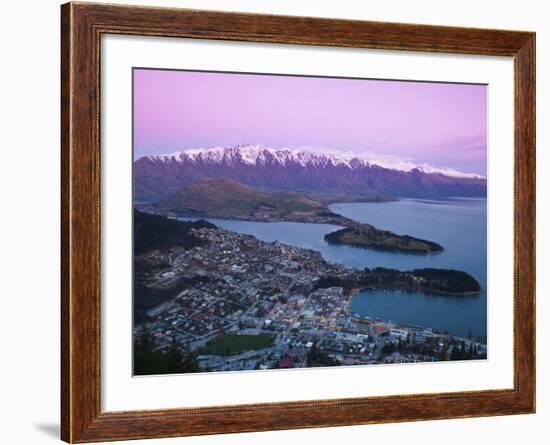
{"points": [[459, 225]]}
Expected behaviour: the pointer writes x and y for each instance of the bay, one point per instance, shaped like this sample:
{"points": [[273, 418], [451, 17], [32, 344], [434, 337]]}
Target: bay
{"points": [[459, 225]]}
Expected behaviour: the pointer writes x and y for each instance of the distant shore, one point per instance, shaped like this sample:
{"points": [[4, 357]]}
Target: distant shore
{"points": [[351, 233]]}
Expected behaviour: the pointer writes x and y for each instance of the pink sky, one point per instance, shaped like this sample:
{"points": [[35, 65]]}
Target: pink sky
{"points": [[440, 124]]}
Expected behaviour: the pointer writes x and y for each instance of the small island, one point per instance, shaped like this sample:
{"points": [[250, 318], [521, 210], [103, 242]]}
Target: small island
{"points": [[367, 236]]}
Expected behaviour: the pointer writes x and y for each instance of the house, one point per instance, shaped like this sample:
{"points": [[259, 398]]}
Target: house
{"points": [[399, 333]]}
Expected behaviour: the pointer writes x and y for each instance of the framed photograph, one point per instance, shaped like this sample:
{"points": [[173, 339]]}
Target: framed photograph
{"points": [[274, 222]]}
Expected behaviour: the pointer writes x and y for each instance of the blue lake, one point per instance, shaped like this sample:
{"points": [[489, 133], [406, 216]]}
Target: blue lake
{"points": [[459, 225]]}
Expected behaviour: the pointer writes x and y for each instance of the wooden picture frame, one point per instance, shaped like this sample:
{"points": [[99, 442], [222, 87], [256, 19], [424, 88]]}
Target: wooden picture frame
{"points": [[82, 25]]}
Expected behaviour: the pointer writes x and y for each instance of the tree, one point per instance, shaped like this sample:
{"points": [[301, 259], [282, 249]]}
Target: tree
{"points": [[315, 357], [443, 353], [401, 346], [456, 353], [311, 356], [459, 352], [190, 362], [174, 358], [148, 359]]}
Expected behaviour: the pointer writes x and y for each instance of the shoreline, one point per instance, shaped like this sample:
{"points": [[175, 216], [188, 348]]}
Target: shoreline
{"points": [[426, 292], [239, 254], [342, 223], [354, 291], [373, 319], [420, 291], [384, 249]]}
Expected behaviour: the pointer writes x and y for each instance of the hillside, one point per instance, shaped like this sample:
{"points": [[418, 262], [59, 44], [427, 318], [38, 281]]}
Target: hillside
{"points": [[227, 197], [157, 232], [449, 282]]}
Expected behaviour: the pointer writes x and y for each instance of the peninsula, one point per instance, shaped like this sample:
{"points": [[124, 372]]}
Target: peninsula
{"points": [[229, 199]]}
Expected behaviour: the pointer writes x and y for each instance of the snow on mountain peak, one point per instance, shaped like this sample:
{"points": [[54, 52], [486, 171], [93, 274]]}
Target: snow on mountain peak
{"points": [[250, 154]]}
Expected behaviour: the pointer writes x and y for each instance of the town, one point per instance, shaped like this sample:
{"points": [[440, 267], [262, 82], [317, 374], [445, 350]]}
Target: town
{"points": [[247, 304]]}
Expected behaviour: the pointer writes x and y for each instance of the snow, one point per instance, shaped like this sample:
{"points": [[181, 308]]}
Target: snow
{"points": [[256, 154]]}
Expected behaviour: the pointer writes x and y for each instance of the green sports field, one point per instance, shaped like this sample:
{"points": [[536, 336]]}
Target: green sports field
{"points": [[232, 344]]}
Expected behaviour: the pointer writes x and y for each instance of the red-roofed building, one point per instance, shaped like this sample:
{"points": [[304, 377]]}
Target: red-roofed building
{"points": [[286, 363]]}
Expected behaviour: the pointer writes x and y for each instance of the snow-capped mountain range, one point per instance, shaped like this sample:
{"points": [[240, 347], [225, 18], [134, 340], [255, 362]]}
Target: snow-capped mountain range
{"points": [[258, 154], [298, 170]]}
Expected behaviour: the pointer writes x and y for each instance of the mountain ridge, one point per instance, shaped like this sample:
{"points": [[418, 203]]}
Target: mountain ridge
{"points": [[156, 177]]}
